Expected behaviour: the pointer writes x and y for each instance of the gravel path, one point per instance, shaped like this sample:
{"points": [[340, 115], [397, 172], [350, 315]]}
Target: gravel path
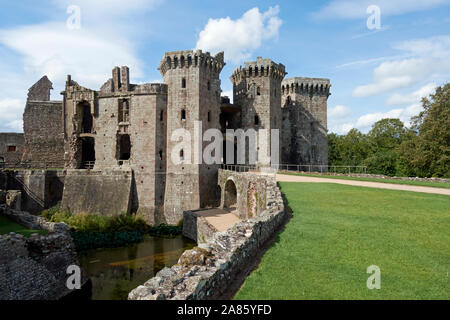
{"points": [[380, 185]]}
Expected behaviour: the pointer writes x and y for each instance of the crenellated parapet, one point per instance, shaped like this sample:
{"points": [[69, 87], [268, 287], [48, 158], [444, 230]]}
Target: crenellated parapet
{"points": [[259, 68], [192, 59], [303, 85]]}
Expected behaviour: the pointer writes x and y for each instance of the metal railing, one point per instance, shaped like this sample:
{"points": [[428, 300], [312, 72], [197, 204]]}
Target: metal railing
{"points": [[88, 165], [310, 168], [238, 167]]}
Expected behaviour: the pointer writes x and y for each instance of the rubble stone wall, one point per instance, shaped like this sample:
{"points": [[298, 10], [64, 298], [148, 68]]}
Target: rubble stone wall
{"points": [[35, 268], [208, 271]]}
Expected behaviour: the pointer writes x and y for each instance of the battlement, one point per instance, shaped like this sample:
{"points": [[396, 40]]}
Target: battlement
{"points": [[259, 68], [191, 58], [305, 85]]}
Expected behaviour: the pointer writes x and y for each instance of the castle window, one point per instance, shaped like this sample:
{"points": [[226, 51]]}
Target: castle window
{"points": [[124, 110], [12, 148], [160, 155], [288, 100], [256, 120], [182, 155], [258, 91], [124, 145], [161, 116], [275, 92], [183, 114], [183, 83], [209, 116], [209, 85]]}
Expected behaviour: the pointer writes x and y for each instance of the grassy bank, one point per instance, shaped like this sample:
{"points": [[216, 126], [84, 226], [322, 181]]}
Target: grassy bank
{"points": [[393, 181], [91, 231], [7, 226], [338, 231]]}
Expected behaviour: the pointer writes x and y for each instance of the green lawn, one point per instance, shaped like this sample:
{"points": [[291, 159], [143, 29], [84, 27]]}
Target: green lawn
{"points": [[394, 181], [7, 226], [338, 231]]}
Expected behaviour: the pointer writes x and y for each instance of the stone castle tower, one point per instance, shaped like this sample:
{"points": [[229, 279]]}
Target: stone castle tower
{"points": [[194, 95], [257, 90], [304, 129]]}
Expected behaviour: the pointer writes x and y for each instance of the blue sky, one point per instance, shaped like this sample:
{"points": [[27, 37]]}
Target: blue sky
{"points": [[374, 73]]}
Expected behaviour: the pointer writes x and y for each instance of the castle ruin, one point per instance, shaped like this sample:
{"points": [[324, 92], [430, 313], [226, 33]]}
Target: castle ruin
{"points": [[115, 143]]}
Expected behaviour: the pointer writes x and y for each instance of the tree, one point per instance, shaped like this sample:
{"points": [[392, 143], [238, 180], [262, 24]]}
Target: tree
{"points": [[428, 152]]}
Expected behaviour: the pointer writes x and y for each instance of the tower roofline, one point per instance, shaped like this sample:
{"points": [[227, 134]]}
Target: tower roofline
{"points": [[260, 68], [191, 58]]}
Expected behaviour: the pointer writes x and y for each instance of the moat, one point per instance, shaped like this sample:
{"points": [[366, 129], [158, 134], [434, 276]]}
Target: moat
{"points": [[114, 272]]}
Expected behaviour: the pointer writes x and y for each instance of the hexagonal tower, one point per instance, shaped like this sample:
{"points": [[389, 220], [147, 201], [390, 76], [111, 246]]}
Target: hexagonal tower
{"points": [[304, 109], [194, 95], [257, 90]]}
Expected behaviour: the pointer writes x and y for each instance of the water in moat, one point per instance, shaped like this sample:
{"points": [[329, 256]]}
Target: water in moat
{"points": [[114, 272]]}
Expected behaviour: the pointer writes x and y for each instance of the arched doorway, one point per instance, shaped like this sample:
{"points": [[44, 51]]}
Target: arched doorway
{"points": [[230, 195]]}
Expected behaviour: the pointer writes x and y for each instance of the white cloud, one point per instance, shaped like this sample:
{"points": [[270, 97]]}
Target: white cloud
{"points": [[356, 9], [11, 111], [88, 54], [415, 97], [339, 112], [430, 61], [238, 38]]}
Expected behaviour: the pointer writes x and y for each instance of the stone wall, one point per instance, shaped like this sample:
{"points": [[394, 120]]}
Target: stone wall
{"points": [[196, 227], [40, 189], [251, 192], [106, 192], [35, 268], [44, 143], [208, 272], [11, 149]]}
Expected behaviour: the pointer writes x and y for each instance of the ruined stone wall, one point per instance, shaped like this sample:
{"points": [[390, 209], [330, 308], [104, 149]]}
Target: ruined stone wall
{"points": [[208, 272], [106, 192], [251, 192], [43, 133], [35, 268], [194, 94], [304, 112], [11, 149], [40, 189]]}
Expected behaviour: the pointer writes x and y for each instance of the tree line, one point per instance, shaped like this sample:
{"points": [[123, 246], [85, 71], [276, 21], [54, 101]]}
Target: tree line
{"points": [[390, 148]]}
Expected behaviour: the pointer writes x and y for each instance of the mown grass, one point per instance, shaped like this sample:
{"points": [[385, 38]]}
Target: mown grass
{"points": [[8, 226], [338, 231], [436, 184]]}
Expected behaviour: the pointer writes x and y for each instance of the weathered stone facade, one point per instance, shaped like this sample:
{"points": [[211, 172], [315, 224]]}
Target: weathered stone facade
{"points": [[42, 127], [11, 150], [304, 129], [194, 95]]}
